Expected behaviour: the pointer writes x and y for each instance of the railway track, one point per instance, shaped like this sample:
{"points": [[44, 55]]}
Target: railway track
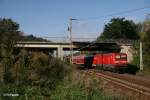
{"points": [[124, 81]]}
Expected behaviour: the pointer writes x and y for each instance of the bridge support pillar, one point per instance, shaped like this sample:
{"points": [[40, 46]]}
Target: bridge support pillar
{"points": [[60, 52]]}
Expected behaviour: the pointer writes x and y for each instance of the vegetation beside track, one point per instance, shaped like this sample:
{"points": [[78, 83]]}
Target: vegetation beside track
{"points": [[36, 77], [80, 86], [33, 76]]}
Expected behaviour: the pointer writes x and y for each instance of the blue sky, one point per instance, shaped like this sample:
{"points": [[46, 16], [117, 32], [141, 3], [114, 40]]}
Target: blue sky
{"points": [[49, 18]]}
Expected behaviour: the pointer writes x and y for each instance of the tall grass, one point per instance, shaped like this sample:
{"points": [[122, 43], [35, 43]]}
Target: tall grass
{"points": [[78, 86]]}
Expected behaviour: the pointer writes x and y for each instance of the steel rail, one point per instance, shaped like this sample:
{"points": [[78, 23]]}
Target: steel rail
{"points": [[135, 87]]}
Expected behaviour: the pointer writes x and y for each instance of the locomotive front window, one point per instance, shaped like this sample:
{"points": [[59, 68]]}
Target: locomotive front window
{"points": [[119, 57]]}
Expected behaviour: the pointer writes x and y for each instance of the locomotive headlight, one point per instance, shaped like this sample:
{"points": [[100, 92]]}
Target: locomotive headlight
{"points": [[118, 56]]}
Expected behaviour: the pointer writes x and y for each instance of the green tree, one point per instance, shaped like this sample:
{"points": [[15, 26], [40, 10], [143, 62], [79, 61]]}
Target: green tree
{"points": [[146, 49], [9, 34], [32, 38], [119, 28]]}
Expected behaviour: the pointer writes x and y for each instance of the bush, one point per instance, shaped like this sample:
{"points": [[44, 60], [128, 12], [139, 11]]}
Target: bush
{"points": [[35, 75]]}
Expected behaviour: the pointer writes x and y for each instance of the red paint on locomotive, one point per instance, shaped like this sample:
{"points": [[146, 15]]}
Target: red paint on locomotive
{"points": [[110, 60]]}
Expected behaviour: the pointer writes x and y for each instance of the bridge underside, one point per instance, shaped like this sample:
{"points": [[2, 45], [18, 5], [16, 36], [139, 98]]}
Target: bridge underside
{"points": [[97, 47], [60, 49]]}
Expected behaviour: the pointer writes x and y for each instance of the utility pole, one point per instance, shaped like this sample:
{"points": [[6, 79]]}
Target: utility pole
{"points": [[141, 53], [71, 42], [141, 56]]}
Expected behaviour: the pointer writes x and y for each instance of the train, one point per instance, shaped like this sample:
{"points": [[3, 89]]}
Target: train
{"points": [[116, 62]]}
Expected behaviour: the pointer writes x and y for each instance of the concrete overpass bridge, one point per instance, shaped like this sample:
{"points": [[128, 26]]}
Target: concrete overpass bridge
{"points": [[58, 49]]}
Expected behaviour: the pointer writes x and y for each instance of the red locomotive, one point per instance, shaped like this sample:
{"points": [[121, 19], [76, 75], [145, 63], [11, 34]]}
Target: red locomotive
{"points": [[113, 61]]}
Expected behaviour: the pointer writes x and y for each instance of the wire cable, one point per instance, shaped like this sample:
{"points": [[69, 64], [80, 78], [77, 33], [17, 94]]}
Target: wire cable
{"points": [[118, 13]]}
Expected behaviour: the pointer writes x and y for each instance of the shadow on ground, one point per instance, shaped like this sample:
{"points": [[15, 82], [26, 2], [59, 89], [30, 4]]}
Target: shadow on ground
{"points": [[132, 69]]}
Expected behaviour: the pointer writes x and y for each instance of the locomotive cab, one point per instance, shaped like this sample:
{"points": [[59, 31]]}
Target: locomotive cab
{"points": [[120, 59]]}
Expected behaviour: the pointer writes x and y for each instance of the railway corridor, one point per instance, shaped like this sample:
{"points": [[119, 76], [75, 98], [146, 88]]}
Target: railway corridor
{"points": [[123, 83]]}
